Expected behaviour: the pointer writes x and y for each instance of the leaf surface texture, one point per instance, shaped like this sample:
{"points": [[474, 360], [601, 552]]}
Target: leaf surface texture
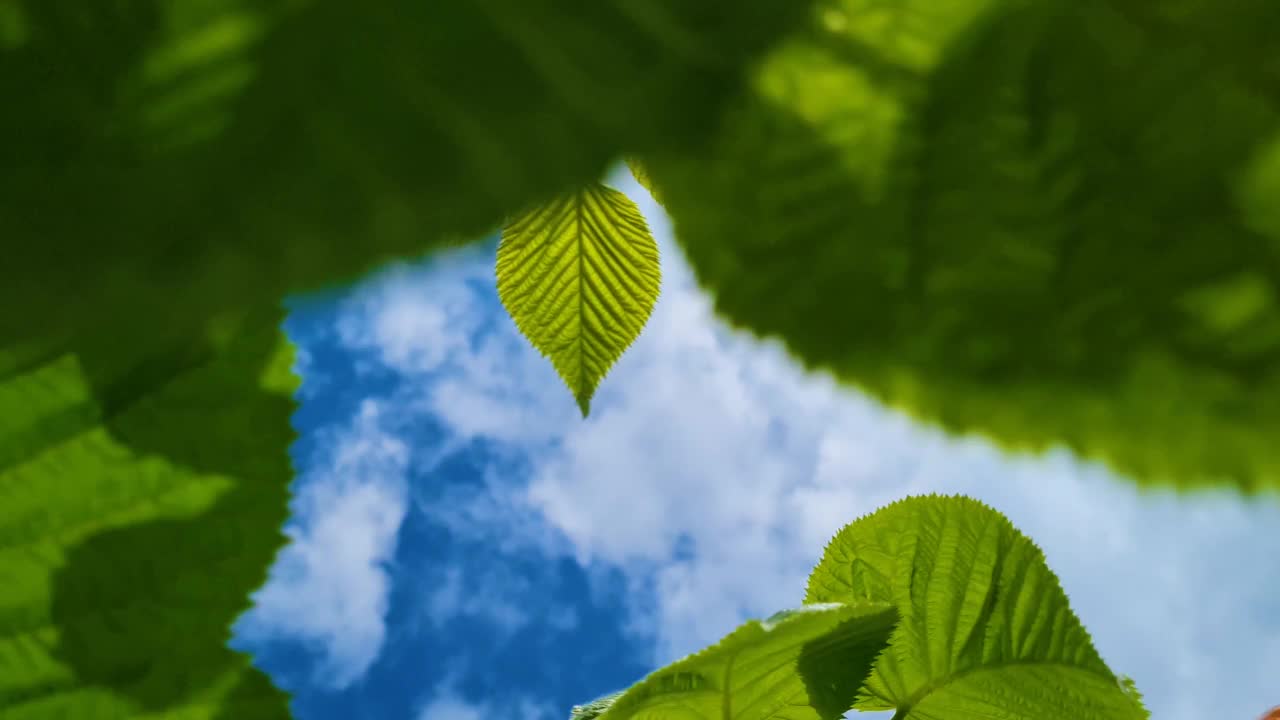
{"points": [[803, 664], [580, 276], [986, 631], [1007, 218]]}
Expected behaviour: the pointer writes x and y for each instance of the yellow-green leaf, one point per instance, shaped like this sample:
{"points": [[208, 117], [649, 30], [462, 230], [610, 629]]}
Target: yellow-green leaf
{"points": [[580, 276], [986, 630], [802, 664]]}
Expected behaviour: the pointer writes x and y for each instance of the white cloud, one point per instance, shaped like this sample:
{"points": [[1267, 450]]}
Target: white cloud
{"points": [[451, 708], [476, 593], [413, 325], [328, 587], [713, 470], [483, 379], [446, 704]]}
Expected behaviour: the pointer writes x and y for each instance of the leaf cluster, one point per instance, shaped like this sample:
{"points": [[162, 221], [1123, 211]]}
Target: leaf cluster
{"points": [[1045, 221], [934, 607]]}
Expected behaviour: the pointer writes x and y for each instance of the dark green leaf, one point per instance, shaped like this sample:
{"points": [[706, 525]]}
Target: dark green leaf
{"points": [[1046, 221], [191, 155], [168, 170]]}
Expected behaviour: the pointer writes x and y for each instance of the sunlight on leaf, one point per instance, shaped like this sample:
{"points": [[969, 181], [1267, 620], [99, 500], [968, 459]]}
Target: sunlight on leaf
{"points": [[986, 631], [580, 276], [802, 664]]}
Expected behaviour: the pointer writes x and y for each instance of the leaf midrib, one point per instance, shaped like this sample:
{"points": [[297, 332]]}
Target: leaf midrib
{"points": [[582, 303]]}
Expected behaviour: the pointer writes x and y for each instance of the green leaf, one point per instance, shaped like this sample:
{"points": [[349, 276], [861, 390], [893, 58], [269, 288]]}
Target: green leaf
{"points": [[143, 485], [580, 276], [985, 631], [803, 664], [595, 708], [1050, 222], [641, 174]]}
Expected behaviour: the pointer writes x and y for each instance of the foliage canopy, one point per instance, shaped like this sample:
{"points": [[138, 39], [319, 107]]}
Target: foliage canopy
{"points": [[1048, 221], [170, 172], [935, 607]]}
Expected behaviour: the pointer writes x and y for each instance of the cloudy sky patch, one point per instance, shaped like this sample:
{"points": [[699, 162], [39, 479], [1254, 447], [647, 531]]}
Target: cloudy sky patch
{"points": [[328, 588]]}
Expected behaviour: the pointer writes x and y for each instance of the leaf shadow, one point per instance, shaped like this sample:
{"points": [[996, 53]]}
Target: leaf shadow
{"points": [[835, 673], [145, 609]]}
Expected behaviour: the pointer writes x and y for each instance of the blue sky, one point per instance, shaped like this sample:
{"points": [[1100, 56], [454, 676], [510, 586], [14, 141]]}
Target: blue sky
{"points": [[465, 546]]}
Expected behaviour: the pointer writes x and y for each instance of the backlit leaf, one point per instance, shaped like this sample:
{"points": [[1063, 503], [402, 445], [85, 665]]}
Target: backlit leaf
{"points": [[803, 664], [580, 276], [986, 631]]}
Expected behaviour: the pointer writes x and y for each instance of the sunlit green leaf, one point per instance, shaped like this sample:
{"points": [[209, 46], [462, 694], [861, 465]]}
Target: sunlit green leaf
{"points": [[580, 276], [803, 664], [1049, 222], [985, 632]]}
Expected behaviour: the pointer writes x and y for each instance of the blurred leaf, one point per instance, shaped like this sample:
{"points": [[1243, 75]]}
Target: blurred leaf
{"points": [[168, 173], [985, 630], [227, 152], [580, 276], [13, 26], [1046, 221], [142, 492], [638, 171], [803, 664]]}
